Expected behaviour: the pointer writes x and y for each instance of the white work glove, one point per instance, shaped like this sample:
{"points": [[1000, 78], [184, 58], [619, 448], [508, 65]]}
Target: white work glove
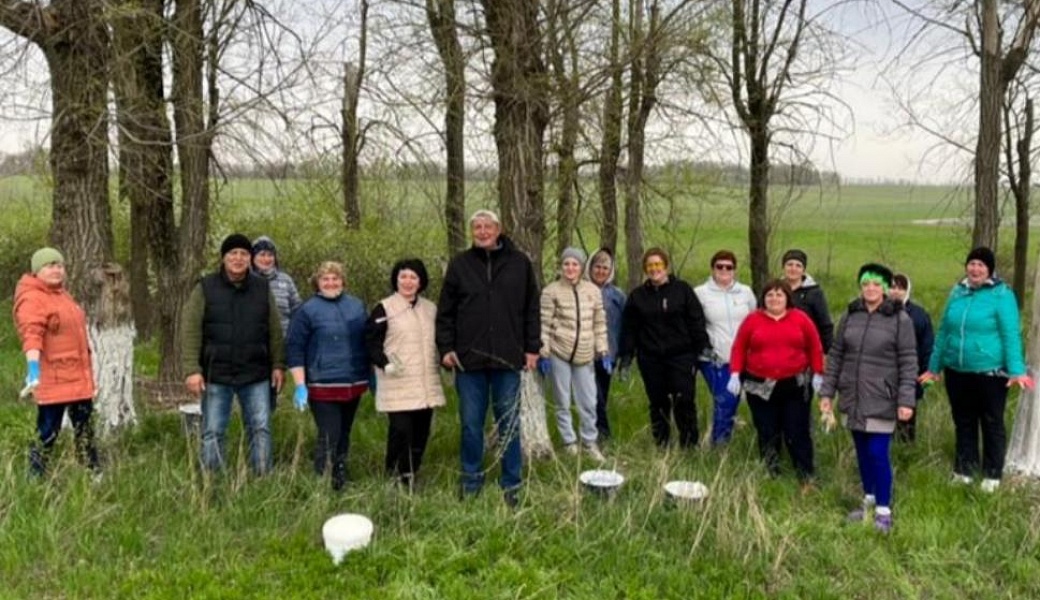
{"points": [[733, 385], [817, 383], [394, 367]]}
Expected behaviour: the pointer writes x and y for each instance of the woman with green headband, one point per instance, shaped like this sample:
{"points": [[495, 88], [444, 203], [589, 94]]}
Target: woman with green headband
{"points": [[872, 366]]}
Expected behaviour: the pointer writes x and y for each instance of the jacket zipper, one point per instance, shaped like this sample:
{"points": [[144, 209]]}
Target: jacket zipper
{"points": [[964, 320], [859, 359], [577, 321]]}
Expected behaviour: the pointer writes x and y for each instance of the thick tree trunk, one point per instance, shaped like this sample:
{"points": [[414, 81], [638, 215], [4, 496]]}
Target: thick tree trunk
{"points": [[112, 342], [179, 250], [77, 55], [564, 61], [987, 150], [518, 79], [758, 209], [610, 144], [441, 16], [1023, 455], [145, 145]]}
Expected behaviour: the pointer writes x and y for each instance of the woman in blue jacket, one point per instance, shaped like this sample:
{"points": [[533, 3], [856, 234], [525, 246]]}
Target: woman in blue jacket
{"points": [[329, 364], [978, 349]]}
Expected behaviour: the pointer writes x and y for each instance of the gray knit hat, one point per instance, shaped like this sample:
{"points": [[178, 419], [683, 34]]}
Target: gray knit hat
{"points": [[575, 253]]}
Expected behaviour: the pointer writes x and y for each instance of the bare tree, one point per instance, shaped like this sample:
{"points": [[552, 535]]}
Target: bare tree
{"points": [[74, 39], [610, 141], [353, 140], [520, 91], [441, 16]]}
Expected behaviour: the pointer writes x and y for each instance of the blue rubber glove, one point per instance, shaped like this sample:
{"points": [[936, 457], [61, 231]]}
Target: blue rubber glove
{"points": [[544, 366], [733, 385], [608, 364], [32, 379], [300, 397]]}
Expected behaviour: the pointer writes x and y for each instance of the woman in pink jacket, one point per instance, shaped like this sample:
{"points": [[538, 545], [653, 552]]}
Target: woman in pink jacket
{"points": [[53, 331]]}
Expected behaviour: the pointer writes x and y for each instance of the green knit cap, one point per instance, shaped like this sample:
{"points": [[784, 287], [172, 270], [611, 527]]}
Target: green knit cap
{"points": [[45, 256]]}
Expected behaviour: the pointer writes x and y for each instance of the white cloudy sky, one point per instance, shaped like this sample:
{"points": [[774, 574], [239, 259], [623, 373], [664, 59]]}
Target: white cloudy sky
{"points": [[879, 79]]}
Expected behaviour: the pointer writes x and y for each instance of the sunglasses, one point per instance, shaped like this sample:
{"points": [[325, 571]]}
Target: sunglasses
{"points": [[654, 264], [724, 267]]}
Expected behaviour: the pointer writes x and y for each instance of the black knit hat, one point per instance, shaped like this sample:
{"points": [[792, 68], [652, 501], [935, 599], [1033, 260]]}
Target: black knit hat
{"points": [[794, 254], [984, 255], [411, 264], [880, 270], [236, 241]]}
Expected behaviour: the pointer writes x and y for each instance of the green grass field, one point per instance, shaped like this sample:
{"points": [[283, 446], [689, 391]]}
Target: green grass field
{"points": [[156, 527]]}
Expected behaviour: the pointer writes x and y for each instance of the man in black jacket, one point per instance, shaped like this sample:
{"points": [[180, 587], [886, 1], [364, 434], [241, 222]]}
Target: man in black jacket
{"points": [[487, 330]]}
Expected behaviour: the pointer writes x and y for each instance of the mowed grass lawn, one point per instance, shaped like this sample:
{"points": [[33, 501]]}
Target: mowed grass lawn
{"points": [[155, 527]]}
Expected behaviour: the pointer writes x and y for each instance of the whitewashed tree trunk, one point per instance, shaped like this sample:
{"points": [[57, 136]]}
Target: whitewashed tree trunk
{"points": [[534, 433], [1023, 455], [111, 331]]}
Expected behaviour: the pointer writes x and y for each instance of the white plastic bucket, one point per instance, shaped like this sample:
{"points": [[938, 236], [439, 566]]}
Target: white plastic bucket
{"points": [[191, 418], [346, 532]]}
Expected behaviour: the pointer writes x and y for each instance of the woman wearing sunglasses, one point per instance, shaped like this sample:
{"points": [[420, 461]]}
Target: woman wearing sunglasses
{"points": [[663, 326], [726, 303]]}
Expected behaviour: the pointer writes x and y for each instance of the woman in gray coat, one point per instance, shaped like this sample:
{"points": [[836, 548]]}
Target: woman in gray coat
{"points": [[872, 366]]}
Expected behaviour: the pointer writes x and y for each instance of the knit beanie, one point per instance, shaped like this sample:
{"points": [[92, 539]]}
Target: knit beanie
{"points": [[264, 244], [984, 255], [236, 241], [875, 272], [575, 253], [45, 256], [794, 254]]}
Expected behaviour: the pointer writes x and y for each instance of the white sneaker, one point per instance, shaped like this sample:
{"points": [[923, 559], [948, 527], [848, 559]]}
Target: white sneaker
{"points": [[990, 485], [594, 453], [571, 448], [959, 479]]}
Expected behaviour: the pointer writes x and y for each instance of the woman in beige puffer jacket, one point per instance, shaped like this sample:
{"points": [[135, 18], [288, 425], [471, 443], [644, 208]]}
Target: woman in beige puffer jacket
{"points": [[574, 334], [400, 341]]}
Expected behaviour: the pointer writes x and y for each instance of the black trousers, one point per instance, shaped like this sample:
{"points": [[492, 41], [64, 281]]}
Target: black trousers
{"points": [[602, 392], [48, 426], [785, 416], [406, 441], [977, 401], [334, 421], [670, 387]]}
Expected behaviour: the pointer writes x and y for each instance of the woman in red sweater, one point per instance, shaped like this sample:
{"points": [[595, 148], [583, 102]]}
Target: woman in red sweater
{"points": [[776, 357]]}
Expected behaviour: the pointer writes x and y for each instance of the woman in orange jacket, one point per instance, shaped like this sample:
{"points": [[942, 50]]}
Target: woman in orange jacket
{"points": [[53, 331]]}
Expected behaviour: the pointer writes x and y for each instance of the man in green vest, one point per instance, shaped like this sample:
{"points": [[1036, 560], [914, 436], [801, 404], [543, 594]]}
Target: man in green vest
{"points": [[232, 346]]}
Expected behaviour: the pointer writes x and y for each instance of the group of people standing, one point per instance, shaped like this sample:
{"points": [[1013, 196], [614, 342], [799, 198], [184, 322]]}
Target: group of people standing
{"points": [[245, 324]]}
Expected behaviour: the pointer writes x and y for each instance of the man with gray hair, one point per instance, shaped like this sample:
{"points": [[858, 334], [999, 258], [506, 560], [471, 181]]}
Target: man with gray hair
{"points": [[487, 331]]}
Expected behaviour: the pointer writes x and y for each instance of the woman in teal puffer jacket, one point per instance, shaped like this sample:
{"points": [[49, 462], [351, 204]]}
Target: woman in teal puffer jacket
{"points": [[978, 349]]}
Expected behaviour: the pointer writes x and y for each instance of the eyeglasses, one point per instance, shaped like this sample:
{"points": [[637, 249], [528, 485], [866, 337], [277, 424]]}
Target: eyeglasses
{"points": [[724, 267], [654, 264]]}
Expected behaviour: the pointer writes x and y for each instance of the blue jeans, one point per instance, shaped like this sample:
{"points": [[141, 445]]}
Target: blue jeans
{"points": [[725, 410], [48, 425], [476, 389], [255, 400]]}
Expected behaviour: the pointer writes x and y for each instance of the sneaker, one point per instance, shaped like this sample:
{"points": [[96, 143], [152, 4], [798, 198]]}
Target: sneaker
{"points": [[571, 449], [511, 498], [959, 479], [990, 485], [594, 453], [883, 523]]}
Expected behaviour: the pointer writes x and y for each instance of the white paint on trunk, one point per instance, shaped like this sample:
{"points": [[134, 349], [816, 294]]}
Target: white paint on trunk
{"points": [[1023, 455], [113, 357], [534, 433]]}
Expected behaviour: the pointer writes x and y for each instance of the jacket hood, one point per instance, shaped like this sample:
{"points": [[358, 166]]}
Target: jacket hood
{"points": [[993, 281], [650, 285], [715, 287], [592, 260], [29, 283], [265, 243], [504, 243], [808, 281]]}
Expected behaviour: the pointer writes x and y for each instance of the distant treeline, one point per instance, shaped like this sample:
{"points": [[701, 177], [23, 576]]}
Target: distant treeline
{"points": [[34, 162]]}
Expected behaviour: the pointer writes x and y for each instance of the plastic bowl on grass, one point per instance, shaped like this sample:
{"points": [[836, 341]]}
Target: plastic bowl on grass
{"points": [[602, 482], [346, 532], [686, 492]]}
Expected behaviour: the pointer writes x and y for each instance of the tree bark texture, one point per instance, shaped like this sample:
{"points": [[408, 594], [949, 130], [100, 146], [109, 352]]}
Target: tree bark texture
{"points": [[987, 148], [353, 76], [1021, 190], [112, 335], [1023, 455], [519, 88], [145, 144], [441, 16], [758, 209], [563, 55], [610, 144]]}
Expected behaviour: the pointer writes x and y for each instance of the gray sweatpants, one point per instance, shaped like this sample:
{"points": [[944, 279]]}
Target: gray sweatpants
{"points": [[582, 378]]}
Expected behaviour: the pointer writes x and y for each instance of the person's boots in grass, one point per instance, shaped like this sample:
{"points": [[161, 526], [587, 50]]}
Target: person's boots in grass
{"points": [[859, 514], [883, 520]]}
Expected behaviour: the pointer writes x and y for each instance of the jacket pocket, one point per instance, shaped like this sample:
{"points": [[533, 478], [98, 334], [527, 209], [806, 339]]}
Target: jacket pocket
{"points": [[65, 367]]}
